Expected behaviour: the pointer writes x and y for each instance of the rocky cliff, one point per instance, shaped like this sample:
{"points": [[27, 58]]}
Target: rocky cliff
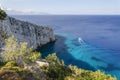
{"points": [[34, 35]]}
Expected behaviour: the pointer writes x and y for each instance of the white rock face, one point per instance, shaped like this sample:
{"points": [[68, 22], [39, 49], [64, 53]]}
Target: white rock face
{"points": [[34, 35]]}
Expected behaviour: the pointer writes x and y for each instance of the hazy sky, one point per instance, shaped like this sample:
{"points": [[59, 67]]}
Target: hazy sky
{"points": [[64, 6]]}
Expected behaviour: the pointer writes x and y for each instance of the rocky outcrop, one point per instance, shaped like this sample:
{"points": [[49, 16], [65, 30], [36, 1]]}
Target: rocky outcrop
{"points": [[37, 71], [9, 75], [34, 35], [41, 63]]}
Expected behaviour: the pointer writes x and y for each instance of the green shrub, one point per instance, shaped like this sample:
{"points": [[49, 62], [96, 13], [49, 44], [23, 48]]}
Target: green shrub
{"points": [[80, 74], [52, 58], [58, 71], [34, 56], [10, 64], [18, 52], [3, 15], [15, 68], [22, 72]]}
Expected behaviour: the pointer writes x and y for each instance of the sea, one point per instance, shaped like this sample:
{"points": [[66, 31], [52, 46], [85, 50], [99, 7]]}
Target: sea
{"points": [[91, 42]]}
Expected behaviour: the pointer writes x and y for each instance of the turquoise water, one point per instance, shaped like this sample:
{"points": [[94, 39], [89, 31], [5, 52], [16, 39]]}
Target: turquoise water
{"points": [[85, 56], [99, 47]]}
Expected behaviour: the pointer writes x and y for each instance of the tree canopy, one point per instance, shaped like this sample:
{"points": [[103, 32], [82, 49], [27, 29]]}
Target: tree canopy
{"points": [[3, 14]]}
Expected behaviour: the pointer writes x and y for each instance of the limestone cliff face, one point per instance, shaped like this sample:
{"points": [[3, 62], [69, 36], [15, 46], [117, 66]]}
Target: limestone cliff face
{"points": [[34, 35]]}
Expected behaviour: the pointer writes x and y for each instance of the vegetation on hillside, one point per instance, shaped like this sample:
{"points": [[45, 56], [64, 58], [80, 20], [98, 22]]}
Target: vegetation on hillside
{"points": [[59, 71], [3, 14], [17, 53]]}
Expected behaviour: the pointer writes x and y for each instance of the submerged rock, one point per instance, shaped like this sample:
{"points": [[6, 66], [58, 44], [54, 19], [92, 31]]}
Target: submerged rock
{"points": [[33, 34]]}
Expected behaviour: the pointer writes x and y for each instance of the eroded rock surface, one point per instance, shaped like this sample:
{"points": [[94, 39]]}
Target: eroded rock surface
{"points": [[34, 35]]}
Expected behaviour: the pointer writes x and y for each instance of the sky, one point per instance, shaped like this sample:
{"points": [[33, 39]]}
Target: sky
{"points": [[63, 6]]}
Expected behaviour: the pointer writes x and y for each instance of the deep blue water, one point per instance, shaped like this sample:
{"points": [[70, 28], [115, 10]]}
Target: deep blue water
{"points": [[99, 47]]}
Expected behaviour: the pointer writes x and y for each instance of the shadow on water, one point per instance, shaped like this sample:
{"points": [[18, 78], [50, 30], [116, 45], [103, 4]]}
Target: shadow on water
{"points": [[61, 50], [97, 59], [110, 67]]}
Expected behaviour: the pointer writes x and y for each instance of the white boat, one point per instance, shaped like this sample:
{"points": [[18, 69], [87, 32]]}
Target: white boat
{"points": [[80, 39]]}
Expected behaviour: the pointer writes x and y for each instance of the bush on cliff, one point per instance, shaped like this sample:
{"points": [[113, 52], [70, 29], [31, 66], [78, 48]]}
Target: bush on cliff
{"points": [[18, 52], [58, 71], [81, 74], [3, 14], [10, 64]]}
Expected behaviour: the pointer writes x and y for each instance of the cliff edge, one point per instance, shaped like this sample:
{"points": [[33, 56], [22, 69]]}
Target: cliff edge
{"points": [[33, 34]]}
